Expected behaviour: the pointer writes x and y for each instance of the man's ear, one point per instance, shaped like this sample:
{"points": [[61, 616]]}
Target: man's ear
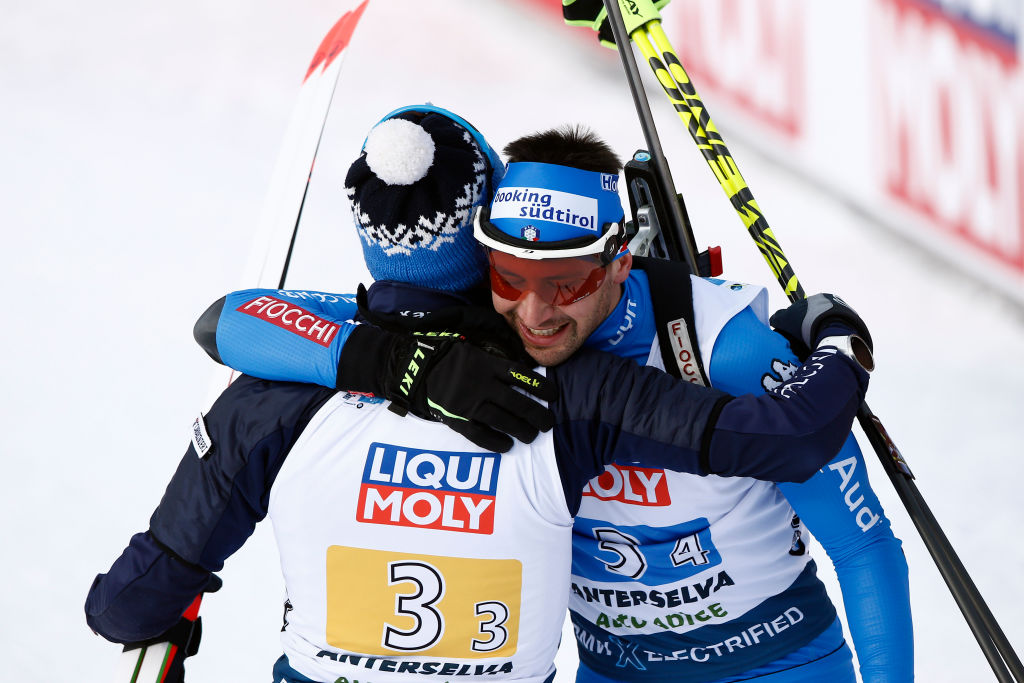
{"points": [[621, 267]]}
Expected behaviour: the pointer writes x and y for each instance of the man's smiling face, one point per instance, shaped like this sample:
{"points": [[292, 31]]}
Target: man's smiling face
{"points": [[551, 333]]}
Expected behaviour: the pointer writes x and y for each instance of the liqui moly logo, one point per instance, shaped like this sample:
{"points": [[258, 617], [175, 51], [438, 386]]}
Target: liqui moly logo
{"points": [[290, 317], [630, 485], [446, 490]]}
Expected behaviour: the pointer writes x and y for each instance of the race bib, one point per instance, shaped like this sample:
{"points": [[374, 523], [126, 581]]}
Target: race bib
{"points": [[389, 603]]}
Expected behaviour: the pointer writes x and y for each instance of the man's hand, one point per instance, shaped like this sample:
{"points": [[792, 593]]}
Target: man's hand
{"points": [[591, 13], [807, 322], [181, 641], [475, 393]]}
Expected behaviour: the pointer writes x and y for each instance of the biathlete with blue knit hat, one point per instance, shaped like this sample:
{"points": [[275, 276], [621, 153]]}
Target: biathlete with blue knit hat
{"points": [[409, 550]]}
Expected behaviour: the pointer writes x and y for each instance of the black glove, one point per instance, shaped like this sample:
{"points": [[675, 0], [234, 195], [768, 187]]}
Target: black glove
{"points": [[593, 14], [445, 379], [805, 323], [471, 380], [185, 635]]}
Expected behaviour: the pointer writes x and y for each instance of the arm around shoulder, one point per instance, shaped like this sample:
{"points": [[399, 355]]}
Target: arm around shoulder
{"points": [[609, 408], [791, 431]]}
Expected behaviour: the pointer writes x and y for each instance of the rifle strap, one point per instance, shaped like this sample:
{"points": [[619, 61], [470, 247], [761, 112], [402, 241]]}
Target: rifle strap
{"points": [[672, 300]]}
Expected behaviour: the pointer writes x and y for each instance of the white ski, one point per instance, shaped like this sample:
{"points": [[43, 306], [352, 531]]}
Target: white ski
{"points": [[151, 664], [282, 206], [270, 252]]}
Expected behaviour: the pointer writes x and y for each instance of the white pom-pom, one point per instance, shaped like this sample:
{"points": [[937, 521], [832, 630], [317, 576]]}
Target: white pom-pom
{"points": [[399, 152]]}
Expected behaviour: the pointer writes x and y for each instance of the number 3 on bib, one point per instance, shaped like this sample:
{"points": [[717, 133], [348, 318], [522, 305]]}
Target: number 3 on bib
{"points": [[386, 603]]}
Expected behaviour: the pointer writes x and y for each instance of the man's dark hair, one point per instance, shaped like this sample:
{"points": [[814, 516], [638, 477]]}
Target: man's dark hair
{"points": [[569, 145]]}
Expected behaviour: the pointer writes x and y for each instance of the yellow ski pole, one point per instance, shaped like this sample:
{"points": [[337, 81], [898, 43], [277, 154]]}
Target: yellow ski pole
{"points": [[646, 28], [694, 115]]}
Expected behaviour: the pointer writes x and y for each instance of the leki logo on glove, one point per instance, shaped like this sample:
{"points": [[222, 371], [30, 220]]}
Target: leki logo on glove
{"points": [[446, 490], [630, 485], [290, 317]]}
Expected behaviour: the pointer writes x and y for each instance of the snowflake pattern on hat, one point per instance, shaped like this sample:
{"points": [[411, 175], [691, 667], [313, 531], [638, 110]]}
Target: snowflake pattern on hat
{"points": [[428, 233], [413, 191]]}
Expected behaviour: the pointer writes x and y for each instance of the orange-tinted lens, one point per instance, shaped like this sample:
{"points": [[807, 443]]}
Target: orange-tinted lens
{"points": [[559, 282]]}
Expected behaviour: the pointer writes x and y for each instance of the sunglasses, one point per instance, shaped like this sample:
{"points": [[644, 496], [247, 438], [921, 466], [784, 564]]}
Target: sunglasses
{"points": [[557, 281]]}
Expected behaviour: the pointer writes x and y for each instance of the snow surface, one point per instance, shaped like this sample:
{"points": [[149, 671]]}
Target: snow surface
{"points": [[138, 140]]}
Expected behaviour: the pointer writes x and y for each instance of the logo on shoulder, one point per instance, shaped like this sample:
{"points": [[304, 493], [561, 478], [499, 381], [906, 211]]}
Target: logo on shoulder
{"points": [[734, 286], [446, 490], [322, 297], [782, 372], [610, 182], [200, 437], [290, 317], [360, 399]]}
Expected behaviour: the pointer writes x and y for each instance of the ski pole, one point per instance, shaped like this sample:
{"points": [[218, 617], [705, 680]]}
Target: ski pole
{"points": [[691, 110], [990, 637], [972, 605], [152, 663], [680, 91], [333, 45], [271, 252], [278, 227], [677, 223]]}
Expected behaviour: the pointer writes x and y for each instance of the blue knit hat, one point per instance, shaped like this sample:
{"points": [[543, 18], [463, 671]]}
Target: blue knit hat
{"points": [[413, 189]]}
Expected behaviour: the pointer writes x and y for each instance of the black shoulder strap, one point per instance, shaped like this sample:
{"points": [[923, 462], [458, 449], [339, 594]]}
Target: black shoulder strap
{"points": [[672, 298]]}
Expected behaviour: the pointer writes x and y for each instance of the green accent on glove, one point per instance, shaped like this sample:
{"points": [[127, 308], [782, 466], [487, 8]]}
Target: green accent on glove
{"points": [[412, 370], [440, 409]]}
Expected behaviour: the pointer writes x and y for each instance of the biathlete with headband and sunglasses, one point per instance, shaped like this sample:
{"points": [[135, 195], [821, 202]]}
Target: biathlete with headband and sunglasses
{"points": [[668, 572], [557, 253], [706, 579]]}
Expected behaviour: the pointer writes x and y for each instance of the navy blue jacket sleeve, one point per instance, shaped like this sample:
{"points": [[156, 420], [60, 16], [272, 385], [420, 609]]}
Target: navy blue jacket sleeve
{"points": [[790, 432], [209, 509], [611, 409], [144, 594]]}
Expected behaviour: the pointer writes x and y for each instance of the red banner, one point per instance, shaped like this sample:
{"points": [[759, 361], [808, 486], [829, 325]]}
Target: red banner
{"points": [[951, 128]]}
